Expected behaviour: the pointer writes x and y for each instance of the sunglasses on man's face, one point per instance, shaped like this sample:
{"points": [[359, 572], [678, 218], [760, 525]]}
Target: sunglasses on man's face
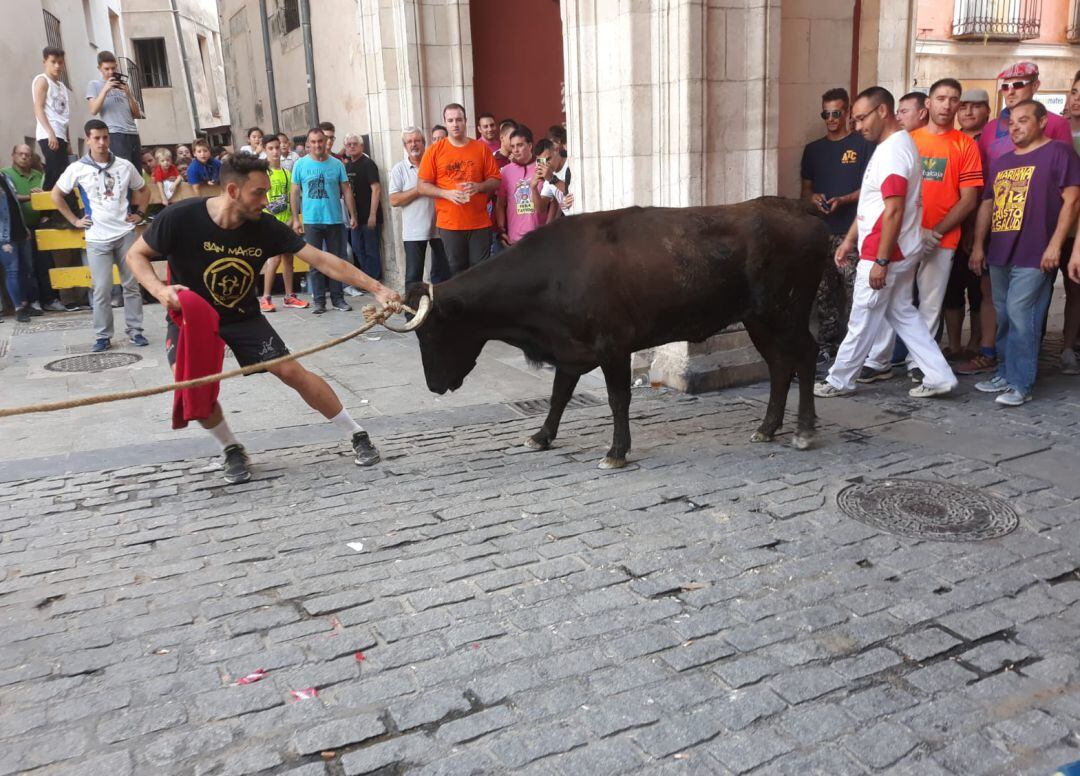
{"points": [[1014, 85], [831, 114]]}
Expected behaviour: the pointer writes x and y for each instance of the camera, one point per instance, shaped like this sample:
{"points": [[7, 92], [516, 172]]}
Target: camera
{"points": [[119, 78]]}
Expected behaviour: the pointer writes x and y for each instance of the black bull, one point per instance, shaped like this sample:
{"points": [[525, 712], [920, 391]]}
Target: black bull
{"points": [[590, 290]]}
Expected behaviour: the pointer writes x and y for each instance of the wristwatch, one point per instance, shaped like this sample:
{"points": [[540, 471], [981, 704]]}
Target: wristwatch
{"points": [[881, 262]]}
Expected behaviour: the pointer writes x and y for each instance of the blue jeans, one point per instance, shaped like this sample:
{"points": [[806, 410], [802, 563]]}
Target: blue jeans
{"points": [[365, 247], [329, 238], [1021, 299], [18, 263]]}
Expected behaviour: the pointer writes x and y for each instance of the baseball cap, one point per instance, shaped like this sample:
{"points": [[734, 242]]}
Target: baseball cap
{"points": [[1020, 70], [975, 95]]}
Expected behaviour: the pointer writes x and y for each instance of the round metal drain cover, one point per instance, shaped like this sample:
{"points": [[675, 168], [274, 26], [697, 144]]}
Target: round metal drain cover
{"points": [[92, 362], [928, 510]]}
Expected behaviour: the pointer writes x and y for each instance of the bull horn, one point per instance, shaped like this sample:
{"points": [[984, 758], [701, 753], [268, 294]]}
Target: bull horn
{"points": [[422, 310]]}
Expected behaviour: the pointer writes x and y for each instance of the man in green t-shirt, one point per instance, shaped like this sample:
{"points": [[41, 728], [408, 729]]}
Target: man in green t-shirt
{"points": [[278, 206], [27, 180]]}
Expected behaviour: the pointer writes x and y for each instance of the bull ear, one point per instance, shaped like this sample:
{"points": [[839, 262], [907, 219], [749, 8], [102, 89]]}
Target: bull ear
{"points": [[423, 307]]}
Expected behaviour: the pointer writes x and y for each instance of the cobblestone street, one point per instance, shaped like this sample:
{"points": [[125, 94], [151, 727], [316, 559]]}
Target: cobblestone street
{"points": [[469, 606]]}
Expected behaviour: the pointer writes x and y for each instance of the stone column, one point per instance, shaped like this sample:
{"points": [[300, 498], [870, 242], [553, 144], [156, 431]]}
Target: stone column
{"points": [[887, 44], [674, 103], [415, 57]]}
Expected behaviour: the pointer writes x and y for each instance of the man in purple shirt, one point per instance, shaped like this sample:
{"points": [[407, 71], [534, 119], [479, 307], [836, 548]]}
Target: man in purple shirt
{"points": [[1029, 203], [1019, 82]]}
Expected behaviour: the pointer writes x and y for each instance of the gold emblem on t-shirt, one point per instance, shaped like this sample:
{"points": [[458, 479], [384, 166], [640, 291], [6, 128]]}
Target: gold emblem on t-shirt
{"points": [[229, 281]]}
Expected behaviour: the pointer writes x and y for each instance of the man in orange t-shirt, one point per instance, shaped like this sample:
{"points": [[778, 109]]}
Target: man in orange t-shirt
{"points": [[459, 173], [952, 179]]}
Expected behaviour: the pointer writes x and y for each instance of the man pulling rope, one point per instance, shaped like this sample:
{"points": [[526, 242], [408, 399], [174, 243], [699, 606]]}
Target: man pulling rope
{"points": [[215, 248]]}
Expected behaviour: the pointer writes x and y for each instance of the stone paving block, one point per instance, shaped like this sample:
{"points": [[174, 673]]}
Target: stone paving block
{"points": [[166, 750], [337, 734], [810, 724], [743, 671], [249, 760], [695, 653], [54, 747], [239, 699], [971, 754], [946, 675], [975, 624], [114, 764], [881, 745], [806, 684], [742, 708], [428, 708], [412, 748], [613, 716], [1034, 729], [925, 644], [131, 723], [748, 749], [677, 733], [519, 749], [995, 655], [867, 664]]}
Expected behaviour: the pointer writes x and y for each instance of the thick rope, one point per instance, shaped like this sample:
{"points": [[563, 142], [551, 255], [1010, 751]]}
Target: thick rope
{"points": [[372, 317]]}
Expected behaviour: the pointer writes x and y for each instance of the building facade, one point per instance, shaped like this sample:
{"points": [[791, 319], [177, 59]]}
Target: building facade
{"points": [[176, 46], [973, 41], [668, 102]]}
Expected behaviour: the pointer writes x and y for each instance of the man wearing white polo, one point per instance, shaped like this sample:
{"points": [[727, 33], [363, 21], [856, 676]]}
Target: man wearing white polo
{"points": [[106, 184], [889, 234]]}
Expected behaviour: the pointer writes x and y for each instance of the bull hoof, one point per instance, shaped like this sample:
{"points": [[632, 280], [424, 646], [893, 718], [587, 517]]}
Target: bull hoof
{"points": [[801, 442], [760, 436], [612, 463], [535, 444]]}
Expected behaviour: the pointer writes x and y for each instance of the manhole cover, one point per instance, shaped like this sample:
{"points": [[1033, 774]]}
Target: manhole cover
{"points": [[928, 510], [92, 362], [531, 407]]}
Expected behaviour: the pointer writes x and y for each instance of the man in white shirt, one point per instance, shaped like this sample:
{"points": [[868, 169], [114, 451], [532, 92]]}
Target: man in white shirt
{"points": [[417, 214], [889, 235], [107, 184]]}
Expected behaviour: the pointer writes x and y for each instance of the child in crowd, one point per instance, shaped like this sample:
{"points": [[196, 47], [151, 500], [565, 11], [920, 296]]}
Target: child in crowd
{"points": [[204, 169], [165, 174], [278, 206], [255, 143]]}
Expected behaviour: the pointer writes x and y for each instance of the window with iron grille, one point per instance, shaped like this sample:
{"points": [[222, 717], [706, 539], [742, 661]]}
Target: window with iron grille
{"points": [[130, 69], [997, 19], [153, 64], [290, 12], [1073, 33], [55, 40]]}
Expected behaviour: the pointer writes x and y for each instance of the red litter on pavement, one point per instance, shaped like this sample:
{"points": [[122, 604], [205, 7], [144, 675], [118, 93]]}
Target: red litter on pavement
{"points": [[360, 657], [303, 695], [253, 677]]}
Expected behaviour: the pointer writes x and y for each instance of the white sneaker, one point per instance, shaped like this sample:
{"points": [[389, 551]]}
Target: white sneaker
{"points": [[1070, 365], [350, 291], [995, 384], [924, 391], [1013, 398], [826, 390]]}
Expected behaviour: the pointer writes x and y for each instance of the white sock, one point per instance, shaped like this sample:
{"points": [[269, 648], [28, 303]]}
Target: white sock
{"points": [[344, 421], [223, 434]]}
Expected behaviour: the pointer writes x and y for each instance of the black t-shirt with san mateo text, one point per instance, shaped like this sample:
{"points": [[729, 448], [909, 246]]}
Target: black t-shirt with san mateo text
{"points": [[220, 265]]}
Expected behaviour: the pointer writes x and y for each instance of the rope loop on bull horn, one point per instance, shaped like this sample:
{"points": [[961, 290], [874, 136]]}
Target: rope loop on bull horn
{"points": [[372, 316]]}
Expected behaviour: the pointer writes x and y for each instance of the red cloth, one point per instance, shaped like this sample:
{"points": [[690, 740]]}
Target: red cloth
{"points": [[200, 351]]}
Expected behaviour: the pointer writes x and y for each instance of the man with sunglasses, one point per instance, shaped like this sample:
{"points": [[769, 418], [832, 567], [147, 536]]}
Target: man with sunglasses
{"points": [[832, 171], [1019, 82]]}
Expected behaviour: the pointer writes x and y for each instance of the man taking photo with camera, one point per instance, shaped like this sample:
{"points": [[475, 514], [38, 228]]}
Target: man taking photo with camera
{"points": [[110, 98]]}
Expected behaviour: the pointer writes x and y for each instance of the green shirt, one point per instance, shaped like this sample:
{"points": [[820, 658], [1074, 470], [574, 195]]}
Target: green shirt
{"points": [[23, 185], [278, 195]]}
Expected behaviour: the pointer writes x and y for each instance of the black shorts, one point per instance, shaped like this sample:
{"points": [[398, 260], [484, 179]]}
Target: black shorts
{"points": [[251, 340]]}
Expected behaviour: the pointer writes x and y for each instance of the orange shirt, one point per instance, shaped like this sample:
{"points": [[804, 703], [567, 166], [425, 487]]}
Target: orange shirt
{"points": [[950, 162], [446, 165]]}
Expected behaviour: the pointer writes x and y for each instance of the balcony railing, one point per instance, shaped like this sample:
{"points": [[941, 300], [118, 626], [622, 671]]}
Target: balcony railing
{"points": [[131, 70], [997, 19]]}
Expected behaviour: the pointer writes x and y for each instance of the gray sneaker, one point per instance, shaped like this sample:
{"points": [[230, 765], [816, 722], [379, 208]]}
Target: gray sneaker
{"points": [[1070, 365], [995, 384], [1013, 398], [236, 466], [56, 306], [366, 454], [826, 390]]}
